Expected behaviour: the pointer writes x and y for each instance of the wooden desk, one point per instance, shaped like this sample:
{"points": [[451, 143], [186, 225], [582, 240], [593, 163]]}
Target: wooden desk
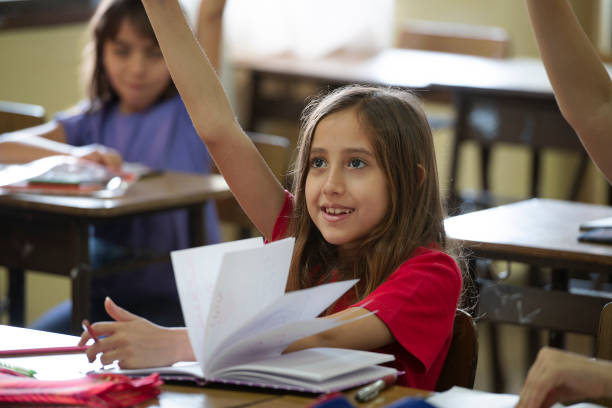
{"points": [[172, 396], [51, 233], [496, 100], [539, 232]]}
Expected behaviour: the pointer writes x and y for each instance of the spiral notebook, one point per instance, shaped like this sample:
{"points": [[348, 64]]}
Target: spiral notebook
{"points": [[240, 321]]}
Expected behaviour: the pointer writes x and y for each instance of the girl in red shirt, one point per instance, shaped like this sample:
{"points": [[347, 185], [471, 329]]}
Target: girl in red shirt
{"points": [[365, 205]]}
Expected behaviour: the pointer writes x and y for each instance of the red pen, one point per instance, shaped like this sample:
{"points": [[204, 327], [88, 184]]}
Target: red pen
{"points": [[87, 327]]}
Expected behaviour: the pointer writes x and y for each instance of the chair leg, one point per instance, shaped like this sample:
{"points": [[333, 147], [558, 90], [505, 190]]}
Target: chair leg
{"points": [[16, 294], [499, 382]]}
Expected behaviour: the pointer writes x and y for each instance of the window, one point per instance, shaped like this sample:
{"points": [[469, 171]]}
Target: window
{"points": [[32, 13]]}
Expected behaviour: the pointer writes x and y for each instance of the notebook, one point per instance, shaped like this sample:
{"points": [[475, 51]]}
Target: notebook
{"points": [[240, 320], [66, 175]]}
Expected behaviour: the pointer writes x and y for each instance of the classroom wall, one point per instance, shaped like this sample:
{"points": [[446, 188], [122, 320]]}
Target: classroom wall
{"points": [[41, 66]]}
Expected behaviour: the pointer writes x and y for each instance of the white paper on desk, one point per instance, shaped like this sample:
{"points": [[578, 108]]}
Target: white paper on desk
{"points": [[196, 271], [463, 397]]}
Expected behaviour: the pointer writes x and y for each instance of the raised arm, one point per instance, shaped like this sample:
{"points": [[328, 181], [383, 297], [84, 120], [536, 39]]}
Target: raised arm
{"points": [[581, 84], [209, 29], [250, 179]]}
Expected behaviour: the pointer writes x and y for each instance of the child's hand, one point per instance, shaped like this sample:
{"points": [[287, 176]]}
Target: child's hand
{"points": [[103, 155], [135, 342], [558, 376]]}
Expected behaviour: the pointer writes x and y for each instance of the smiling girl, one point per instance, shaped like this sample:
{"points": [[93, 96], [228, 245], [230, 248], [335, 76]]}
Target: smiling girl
{"points": [[365, 205]]}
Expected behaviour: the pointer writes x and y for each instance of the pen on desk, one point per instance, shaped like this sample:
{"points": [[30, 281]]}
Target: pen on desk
{"points": [[370, 391]]}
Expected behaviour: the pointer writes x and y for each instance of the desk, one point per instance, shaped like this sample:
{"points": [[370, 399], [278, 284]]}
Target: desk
{"points": [[71, 366], [496, 100], [539, 232], [51, 233]]}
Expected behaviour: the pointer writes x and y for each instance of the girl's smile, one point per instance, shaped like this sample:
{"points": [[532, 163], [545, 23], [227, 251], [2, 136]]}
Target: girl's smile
{"points": [[346, 190]]}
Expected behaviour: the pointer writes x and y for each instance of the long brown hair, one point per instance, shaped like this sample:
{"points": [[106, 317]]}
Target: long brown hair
{"points": [[104, 26], [402, 140]]}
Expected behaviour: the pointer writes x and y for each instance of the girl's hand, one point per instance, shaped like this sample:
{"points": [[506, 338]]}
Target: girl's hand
{"points": [[558, 376], [103, 155], [136, 342]]}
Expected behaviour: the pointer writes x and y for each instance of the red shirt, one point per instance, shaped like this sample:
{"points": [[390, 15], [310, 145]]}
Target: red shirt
{"points": [[417, 302]]}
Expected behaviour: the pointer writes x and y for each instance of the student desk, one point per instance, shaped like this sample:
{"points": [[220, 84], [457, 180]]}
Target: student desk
{"points": [[69, 366], [538, 232], [495, 100], [50, 233]]}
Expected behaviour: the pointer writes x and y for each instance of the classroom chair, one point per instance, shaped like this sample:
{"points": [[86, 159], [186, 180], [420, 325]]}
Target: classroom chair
{"points": [[16, 116], [604, 335], [469, 39], [275, 151], [455, 38], [459, 368]]}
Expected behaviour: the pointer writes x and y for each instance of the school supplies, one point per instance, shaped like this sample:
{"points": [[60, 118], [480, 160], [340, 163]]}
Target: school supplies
{"points": [[43, 351], [94, 390], [239, 322], [66, 175], [371, 391], [15, 370]]}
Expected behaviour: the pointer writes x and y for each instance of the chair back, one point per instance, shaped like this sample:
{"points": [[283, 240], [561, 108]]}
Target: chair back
{"points": [[492, 42], [16, 116], [275, 151], [459, 368], [604, 335]]}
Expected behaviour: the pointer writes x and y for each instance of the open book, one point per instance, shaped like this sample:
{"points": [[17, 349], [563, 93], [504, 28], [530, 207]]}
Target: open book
{"points": [[67, 175], [240, 320]]}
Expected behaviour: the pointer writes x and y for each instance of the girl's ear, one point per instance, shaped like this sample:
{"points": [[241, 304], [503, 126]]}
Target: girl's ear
{"points": [[422, 174]]}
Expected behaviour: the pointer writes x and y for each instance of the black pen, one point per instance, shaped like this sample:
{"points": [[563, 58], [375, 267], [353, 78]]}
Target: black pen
{"points": [[372, 390]]}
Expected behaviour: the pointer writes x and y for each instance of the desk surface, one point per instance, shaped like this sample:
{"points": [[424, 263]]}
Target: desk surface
{"points": [[535, 229], [74, 365], [412, 69], [168, 190]]}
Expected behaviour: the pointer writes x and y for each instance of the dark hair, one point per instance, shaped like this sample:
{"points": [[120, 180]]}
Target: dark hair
{"points": [[402, 140], [104, 26]]}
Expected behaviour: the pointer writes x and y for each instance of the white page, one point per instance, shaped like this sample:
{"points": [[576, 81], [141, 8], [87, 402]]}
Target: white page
{"points": [[248, 281], [273, 342], [314, 364], [196, 271], [293, 306], [463, 397]]}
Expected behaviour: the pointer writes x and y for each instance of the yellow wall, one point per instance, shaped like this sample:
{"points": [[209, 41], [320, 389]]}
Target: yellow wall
{"points": [[41, 66]]}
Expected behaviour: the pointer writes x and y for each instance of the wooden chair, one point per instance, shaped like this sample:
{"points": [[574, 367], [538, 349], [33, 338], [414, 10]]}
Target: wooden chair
{"points": [[604, 335], [492, 42], [16, 116], [275, 150], [460, 365]]}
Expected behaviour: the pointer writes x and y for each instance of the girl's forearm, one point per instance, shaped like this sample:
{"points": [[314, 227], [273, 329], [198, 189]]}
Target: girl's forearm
{"points": [[209, 29], [582, 85], [191, 71]]}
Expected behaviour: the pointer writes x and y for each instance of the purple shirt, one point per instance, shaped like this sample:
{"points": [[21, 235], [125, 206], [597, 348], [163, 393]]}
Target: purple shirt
{"points": [[161, 137]]}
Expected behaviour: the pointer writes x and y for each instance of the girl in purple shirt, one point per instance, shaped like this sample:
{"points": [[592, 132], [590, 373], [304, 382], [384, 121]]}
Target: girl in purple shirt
{"points": [[133, 113]]}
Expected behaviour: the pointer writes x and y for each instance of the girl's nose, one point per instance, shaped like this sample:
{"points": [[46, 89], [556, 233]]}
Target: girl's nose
{"points": [[334, 182], [138, 64]]}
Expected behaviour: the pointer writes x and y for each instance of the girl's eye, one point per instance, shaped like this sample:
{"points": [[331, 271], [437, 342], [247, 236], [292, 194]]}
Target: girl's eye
{"points": [[122, 52], [317, 162], [356, 163]]}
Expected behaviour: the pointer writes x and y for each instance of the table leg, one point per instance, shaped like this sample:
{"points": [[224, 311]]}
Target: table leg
{"points": [[196, 225], [80, 275], [16, 295], [560, 282]]}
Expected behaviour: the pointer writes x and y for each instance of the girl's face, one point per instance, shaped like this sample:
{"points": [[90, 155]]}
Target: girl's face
{"points": [[135, 68], [346, 190]]}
